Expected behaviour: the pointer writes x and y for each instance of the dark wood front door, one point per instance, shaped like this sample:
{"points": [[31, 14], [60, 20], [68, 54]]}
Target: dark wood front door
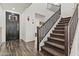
{"points": [[12, 26]]}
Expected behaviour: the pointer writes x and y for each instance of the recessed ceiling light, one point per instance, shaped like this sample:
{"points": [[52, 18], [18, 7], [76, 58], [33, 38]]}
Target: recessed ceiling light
{"points": [[13, 8]]}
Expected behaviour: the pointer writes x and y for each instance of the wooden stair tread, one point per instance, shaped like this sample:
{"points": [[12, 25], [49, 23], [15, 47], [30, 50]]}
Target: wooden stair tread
{"points": [[58, 30], [52, 51], [57, 39], [61, 28], [57, 34], [62, 23], [42, 53], [66, 18], [55, 45]]}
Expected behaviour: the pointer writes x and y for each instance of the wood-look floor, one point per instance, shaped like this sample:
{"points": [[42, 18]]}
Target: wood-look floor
{"points": [[17, 48]]}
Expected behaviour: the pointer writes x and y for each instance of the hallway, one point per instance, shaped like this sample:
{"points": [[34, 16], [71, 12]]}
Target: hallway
{"points": [[38, 29], [15, 48]]}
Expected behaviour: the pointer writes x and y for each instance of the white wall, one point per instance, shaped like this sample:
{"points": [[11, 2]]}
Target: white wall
{"points": [[67, 9], [0, 35], [28, 29], [78, 11], [2, 25]]}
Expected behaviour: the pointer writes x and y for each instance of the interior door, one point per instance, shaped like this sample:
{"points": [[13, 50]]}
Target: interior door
{"points": [[12, 26]]}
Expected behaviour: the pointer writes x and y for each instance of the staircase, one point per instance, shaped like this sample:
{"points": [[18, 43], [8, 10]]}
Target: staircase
{"points": [[55, 45]]}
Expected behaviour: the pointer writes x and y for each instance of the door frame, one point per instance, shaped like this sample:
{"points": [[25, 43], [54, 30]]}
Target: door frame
{"points": [[6, 23]]}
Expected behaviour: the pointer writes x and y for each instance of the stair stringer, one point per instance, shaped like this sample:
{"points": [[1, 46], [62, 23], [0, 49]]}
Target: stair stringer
{"points": [[48, 34]]}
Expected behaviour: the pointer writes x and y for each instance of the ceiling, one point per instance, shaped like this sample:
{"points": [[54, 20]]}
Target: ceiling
{"points": [[17, 7]]}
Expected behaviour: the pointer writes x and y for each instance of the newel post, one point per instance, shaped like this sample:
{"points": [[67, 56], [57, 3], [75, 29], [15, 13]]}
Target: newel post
{"points": [[66, 41], [38, 39]]}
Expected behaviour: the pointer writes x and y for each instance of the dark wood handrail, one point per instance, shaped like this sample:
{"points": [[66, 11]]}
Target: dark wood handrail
{"points": [[70, 29], [45, 28]]}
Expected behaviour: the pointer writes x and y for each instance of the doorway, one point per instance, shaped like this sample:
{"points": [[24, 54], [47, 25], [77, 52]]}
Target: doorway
{"points": [[12, 26]]}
